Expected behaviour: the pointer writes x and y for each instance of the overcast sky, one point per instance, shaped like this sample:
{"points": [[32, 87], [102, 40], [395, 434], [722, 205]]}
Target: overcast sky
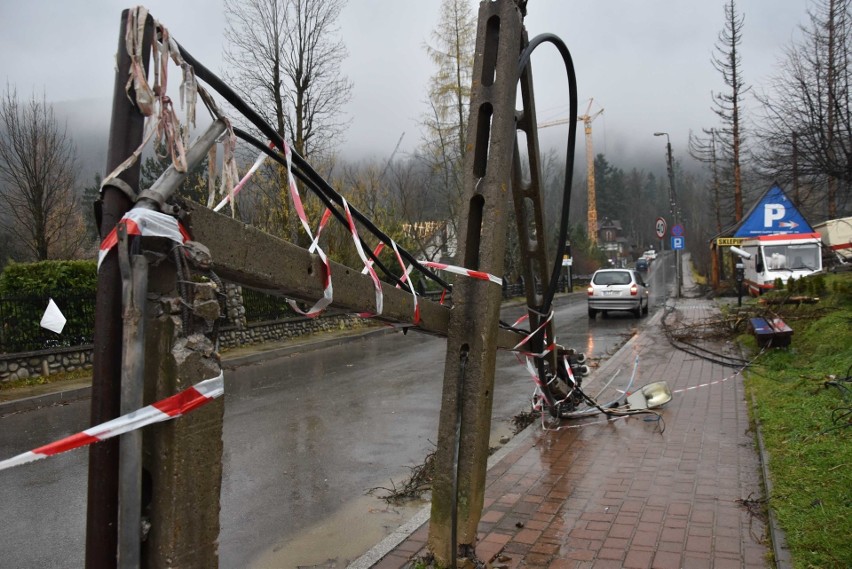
{"points": [[645, 62]]}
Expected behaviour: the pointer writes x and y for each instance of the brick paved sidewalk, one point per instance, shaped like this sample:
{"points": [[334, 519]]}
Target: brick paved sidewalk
{"points": [[619, 493]]}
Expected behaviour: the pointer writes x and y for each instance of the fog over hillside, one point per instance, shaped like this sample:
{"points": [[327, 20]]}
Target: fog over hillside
{"points": [[87, 121]]}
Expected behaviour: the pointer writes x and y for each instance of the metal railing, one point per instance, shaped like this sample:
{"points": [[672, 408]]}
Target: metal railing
{"points": [[20, 318]]}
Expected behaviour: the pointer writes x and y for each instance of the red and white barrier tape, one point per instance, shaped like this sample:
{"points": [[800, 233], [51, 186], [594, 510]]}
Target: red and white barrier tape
{"points": [[464, 272], [147, 223], [405, 279], [547, 349], [328, 291], [379, 248], [233, 193], [169, 408], [377, 284]]}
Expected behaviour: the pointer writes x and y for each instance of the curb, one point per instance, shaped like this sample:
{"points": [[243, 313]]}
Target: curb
{"points": [[416, 521], [780, 551], [46, 400], [389, 543], [78, 393]]}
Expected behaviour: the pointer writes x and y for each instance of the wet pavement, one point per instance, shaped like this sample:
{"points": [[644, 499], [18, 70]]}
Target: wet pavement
{"points": [[619, 493], [281, 420]]}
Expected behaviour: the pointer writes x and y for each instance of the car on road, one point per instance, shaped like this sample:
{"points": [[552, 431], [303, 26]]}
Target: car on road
{"points": [[650, 255], [618, 289], [642, 265]]}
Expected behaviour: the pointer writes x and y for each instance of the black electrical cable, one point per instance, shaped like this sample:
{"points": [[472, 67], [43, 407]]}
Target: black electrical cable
{"points": [[320, 185], [729, 361], [569, 158], [550, 291], [281, 160]]}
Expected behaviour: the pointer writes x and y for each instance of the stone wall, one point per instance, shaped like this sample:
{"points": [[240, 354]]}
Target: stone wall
{"points": [[44, 362], [260, 332], [49, 362]]}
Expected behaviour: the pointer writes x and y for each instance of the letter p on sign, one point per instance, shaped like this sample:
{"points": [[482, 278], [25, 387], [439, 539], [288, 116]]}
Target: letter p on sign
{"points": [[773, 212]]}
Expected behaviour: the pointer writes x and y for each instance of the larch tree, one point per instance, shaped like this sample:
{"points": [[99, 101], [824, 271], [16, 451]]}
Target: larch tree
{"points": [[37, 181], [445, 123], [285, 58], [806, 131]]}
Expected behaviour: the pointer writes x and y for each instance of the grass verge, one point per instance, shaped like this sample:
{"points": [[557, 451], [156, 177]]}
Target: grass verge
{"points": [[804, 403]]}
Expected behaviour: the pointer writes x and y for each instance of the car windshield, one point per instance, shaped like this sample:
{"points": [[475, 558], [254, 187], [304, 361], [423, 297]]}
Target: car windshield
{"points": [[612, 278]]}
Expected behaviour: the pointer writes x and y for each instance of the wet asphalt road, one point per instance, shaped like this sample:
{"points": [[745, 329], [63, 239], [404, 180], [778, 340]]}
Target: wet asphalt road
{"points": [[305, 436]]}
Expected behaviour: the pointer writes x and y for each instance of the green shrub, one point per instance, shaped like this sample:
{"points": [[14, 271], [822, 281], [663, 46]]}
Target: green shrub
{"points": [[49, 277], [24, 292]]}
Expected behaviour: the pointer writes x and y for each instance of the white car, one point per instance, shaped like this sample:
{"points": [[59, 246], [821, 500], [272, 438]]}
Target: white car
{"points": [[650, 255], [618, 289]]}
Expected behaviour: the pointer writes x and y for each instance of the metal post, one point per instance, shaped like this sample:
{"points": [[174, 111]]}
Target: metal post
{"points": [[674, 207], [134, 276], [126, 130], [675, 213]]}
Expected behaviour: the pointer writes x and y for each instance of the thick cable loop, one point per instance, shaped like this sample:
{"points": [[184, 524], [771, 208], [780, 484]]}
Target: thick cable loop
{"points": [[569, 157], [318, 185]]}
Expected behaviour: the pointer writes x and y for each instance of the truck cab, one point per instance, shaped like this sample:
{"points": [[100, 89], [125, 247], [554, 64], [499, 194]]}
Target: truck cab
{"points": [[780, 257]]}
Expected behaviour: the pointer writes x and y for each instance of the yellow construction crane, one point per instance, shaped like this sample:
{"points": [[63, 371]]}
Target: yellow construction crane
{"points": [[586, 119]]}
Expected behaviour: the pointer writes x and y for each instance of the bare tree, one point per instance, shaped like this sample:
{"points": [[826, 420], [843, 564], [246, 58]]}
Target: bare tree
{"points": [[704, 149], [449, 99], [806, 130], [728, 105], [37, 179], [286, 58]]}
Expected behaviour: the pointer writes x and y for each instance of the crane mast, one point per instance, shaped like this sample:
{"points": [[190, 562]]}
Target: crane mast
{"points": [[592, 219], [586, 119]]}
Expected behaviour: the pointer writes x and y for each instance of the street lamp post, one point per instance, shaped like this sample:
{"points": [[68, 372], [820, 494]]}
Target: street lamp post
{"points": [[673, 205]]}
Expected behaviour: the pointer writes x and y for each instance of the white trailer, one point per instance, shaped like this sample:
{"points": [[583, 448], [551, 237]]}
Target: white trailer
{"points": [[780, 257], [837, 236]]}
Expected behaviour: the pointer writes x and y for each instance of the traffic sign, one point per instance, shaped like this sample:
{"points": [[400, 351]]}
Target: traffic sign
{"points": [[677, 230], [678, 242], [660, 226]]}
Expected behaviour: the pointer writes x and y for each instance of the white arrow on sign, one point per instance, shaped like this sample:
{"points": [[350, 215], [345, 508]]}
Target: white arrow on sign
{"points": [[661, 227]]}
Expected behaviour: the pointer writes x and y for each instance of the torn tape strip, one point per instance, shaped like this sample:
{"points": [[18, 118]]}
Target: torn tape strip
{"points": [[257, 163], [548, 348], [170, 408], [366, 269], [379, 248], [328, 290], [377, 284], [464, 272], [407, 281], [147, 223]]}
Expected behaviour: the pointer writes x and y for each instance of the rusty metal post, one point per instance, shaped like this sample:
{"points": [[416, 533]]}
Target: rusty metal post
{"points": [[126, 129], [458, 489]]}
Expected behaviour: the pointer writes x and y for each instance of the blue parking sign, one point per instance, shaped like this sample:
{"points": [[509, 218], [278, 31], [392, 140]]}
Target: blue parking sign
{"points": [[678, 242]]}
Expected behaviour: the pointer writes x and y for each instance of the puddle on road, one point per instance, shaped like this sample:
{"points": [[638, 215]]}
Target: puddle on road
{"points": [[341, 538]]}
